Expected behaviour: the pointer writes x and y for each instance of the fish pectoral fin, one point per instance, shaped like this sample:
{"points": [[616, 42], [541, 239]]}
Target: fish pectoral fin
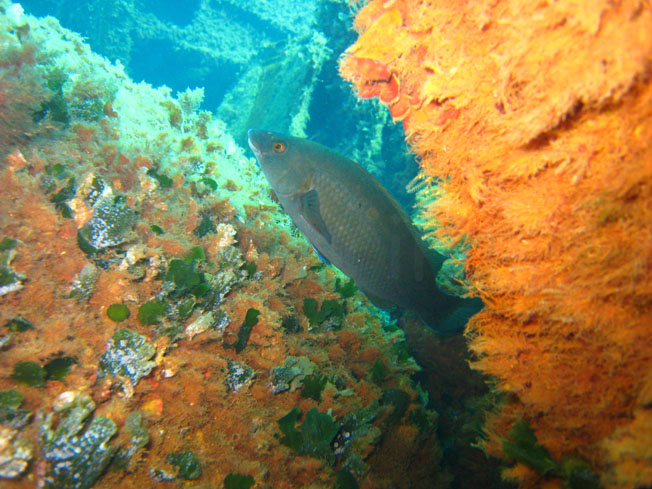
{"points": [[378, 302], [311, 213]]}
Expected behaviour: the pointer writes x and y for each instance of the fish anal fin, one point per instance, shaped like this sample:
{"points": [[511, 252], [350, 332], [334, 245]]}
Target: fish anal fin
{"points": [[311, 213], [378, 302], [321, 256]]}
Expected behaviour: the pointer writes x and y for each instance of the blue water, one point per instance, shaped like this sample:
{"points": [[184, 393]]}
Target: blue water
{"points": [[224, 46]]}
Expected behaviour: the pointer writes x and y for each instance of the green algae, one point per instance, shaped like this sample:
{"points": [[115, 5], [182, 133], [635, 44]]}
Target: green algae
{"points": [[313, 386], [251, 319], [10, 399], [163, 180], [117, 312], [523, 447], [379, 372], [187, 465], [29, 373], [330, 309], [238, 481], [314, 439], [58, 368], [347, 289], [18, 324], [150, 312], [204, 227], [345, 480]]}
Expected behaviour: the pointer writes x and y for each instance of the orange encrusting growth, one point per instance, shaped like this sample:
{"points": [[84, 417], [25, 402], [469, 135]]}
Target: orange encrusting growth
{"points": [[537, 120]]}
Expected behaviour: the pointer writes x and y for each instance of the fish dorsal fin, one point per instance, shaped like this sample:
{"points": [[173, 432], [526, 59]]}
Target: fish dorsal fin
{"points": [[377, 301], [310, 211]]}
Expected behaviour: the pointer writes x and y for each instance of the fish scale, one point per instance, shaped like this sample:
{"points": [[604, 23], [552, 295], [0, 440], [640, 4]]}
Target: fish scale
{"points": [[356, 225]]}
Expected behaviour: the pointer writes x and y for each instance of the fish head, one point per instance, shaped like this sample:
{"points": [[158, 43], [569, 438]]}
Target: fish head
{"points": [[281, 160]]}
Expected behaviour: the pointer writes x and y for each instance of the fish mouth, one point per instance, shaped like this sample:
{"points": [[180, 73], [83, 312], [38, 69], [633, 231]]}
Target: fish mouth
{"points": [[253, 135]]}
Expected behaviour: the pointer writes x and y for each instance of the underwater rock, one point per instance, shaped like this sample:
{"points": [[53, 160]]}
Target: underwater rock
{"points": [[78, 452], [84, 283], [128, 354], [238, 375], [112, 218], [10, 281], [290, 375], [15, 453]]}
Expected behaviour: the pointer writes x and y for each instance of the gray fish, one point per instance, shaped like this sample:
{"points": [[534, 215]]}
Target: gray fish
{"points": [[355, 224]]}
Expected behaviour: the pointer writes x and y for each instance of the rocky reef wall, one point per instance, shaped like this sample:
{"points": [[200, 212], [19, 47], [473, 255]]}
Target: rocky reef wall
{"points": [[533, 123]]}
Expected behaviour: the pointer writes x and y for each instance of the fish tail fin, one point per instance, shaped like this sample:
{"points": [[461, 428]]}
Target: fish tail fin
{"points": [[453, 319]]}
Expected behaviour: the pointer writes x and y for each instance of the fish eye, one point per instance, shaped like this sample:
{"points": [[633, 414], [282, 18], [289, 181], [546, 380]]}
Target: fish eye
{"points": [[278, 146]]}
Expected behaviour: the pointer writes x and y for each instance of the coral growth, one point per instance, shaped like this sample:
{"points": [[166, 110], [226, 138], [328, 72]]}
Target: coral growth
{"points": [[535, 120]]}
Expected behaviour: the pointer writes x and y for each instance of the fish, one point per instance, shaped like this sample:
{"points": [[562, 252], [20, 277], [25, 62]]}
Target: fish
{"points": [[354, 223]]}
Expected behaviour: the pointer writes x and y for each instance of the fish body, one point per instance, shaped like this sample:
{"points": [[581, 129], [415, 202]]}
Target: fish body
{"points": [[355, 224]]}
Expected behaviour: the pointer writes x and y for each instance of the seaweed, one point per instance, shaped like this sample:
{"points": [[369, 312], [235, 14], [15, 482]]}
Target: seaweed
{"points": [[11, 416], [59, 198], [128, 354], [29, 373], [399, 400], [345, 480], [187, 465], [251, 318], [150, 312], [117, 312], [314, 439], [238, 481], [186, 279], [163, 180], [313, 386], [347, 290], [58, 368], [524, 448], [18, 324], [209, 182], [329, 309], [204, 227], [378, 372]]}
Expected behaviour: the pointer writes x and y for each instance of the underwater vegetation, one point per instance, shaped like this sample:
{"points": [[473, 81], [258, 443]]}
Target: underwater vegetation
{"points": [[159, 314], [532, 124]]}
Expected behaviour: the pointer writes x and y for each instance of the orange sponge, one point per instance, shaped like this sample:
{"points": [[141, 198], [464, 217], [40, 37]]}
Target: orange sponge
{"points": [[536, 117]]}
